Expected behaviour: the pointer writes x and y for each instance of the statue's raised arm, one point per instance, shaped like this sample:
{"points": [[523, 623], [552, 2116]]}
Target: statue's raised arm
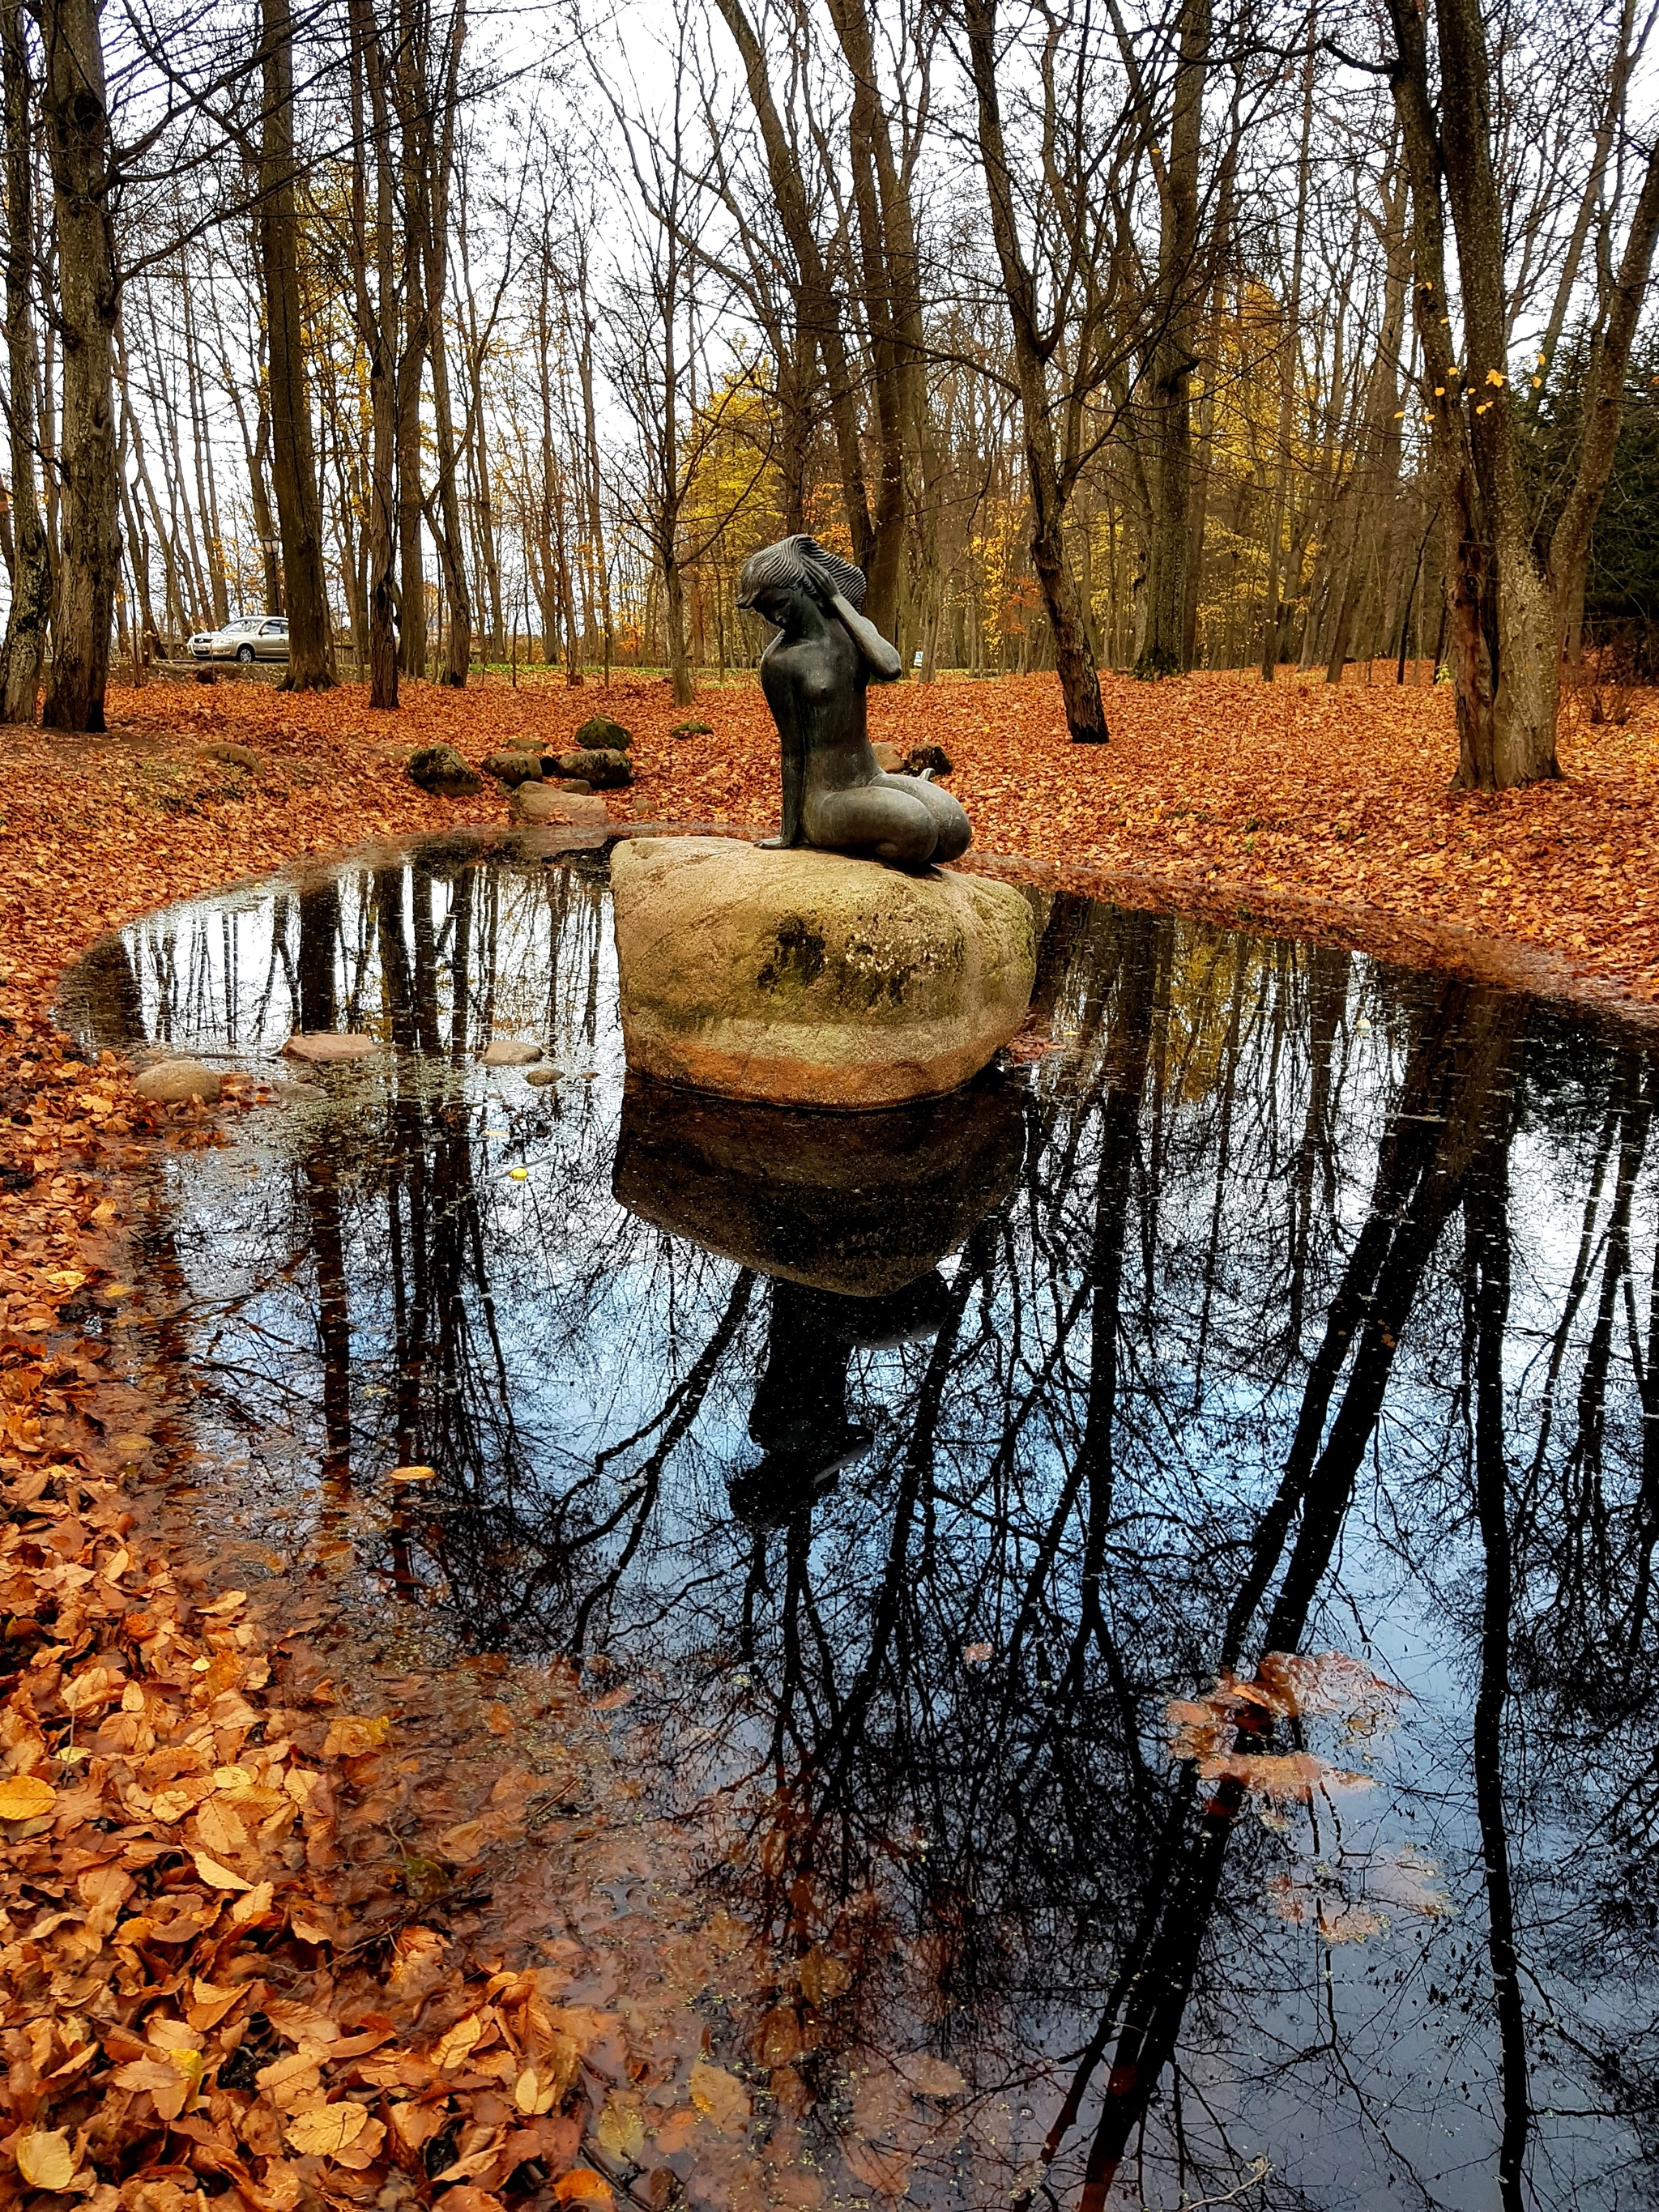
{"points": [[814, 673]]}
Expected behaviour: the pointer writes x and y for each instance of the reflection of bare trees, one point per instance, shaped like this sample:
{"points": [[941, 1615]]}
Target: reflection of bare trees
{"points": [[1325, 1308]]}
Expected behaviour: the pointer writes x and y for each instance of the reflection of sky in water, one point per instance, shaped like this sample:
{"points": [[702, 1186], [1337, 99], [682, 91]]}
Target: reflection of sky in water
{"points": [[1205, 1163]]}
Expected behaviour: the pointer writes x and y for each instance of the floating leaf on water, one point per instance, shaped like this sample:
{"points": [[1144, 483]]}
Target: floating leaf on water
{"points": [[931, 2077], [351, 1735], [621, 2131], [881, 2168], [777, 2039], [581, 2186], [1408, 1881], [413, 1474], [823, 1977], [719, 2096]]}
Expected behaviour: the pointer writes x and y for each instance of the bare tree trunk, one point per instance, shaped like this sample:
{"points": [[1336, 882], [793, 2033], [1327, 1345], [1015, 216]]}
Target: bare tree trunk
{"points": [[446, 523], [294, 465], [819, 309], [1273, 614], [1174, 357], [377, 322], [1508, 610], [416, 133], [77, 136], [1074, 660], [31, 588]]}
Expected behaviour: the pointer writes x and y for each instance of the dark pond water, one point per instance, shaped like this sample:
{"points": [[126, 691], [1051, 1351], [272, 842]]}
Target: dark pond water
{"points": [[909, 1467]]}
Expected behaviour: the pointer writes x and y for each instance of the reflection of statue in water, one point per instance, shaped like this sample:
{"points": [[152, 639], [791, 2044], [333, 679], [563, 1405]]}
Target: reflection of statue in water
{"points": [[814, 673], [799, 1416]]}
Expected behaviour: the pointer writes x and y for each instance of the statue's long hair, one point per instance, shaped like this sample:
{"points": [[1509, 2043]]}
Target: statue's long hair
{"points": [[794, 561]]}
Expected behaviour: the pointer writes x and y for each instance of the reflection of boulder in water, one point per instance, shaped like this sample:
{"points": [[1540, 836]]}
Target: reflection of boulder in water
{"points": [[800, 1415], [860, 1207]]}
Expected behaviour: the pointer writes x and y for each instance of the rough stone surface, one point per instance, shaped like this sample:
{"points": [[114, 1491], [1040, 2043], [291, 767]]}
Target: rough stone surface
{"points": [[599, 734], [441, 768], [510, 1052], [513, 767], [691, 730], [888, 757], [603, 770], [542, 1076], [319, 1047], [812, 979], [544, 802], [173, 1081]]}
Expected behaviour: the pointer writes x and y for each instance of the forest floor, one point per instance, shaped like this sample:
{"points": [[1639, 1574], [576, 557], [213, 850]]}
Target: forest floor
{"points": [[246, 1928]]}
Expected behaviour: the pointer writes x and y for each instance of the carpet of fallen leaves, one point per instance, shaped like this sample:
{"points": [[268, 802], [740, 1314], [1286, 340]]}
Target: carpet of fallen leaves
{"points": [[304, 1938]]}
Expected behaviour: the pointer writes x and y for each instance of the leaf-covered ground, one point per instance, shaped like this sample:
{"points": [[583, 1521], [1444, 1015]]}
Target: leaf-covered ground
{"points": [[274, 1919]]}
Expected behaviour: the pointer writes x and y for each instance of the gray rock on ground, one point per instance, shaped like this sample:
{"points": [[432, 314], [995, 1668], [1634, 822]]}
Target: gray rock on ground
{"points": [[599, 734], [512, 768], [171, 1082], [817, 980], [442, 771], [602, 770], [509, 1052]]}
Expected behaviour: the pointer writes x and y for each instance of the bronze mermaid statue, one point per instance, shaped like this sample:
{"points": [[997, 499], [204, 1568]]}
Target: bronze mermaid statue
{"points": [[814, 673]]}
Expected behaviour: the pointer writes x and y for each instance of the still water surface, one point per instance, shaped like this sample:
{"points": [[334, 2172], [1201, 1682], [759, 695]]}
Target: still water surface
{"points": [[909, 1466]]}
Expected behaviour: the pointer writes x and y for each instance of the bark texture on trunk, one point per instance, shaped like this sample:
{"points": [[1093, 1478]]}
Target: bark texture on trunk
{"points": [[1050, 486], [377, 323], [1173, 356], [1509, 605], [75, 108], [24, 649], [293, 463]]}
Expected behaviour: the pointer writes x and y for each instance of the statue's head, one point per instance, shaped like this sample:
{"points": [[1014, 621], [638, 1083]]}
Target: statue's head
{"points": [[772, 576]]}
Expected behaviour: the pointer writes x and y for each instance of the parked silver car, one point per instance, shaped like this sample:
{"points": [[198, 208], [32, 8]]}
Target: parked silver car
{"points": [[250, 637]]}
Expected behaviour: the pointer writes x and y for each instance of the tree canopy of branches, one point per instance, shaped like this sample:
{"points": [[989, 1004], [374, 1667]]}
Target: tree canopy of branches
{"points": [[1099, 335]]}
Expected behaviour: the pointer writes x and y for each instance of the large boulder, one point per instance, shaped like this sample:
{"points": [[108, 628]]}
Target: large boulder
{"points": [[813, 979]]}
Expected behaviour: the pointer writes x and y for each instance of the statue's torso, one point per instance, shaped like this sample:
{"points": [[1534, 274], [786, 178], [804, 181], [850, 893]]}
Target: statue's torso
{"points": [[815, 686]]}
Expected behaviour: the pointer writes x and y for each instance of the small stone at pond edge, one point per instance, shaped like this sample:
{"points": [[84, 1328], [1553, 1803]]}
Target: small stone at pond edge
{"points": [[542, 1076], [544, 802], [176, 1080], [508, 1052], [321, 1046]]}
